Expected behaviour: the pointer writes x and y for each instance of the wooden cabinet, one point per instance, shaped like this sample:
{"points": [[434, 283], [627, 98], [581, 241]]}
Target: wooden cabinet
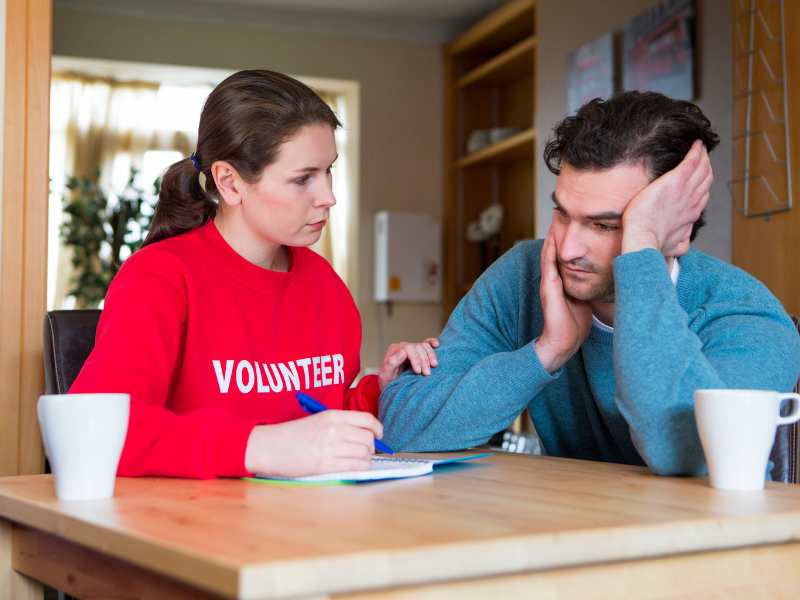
{"points": [[489, 84], [766, 161]]}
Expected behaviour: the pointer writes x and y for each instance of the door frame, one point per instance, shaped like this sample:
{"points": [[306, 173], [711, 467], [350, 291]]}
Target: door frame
{"points": [[23, 230]]}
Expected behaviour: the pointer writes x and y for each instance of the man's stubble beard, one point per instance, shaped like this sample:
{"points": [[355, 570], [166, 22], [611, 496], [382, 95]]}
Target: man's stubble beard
{"points": [[602, 291]]}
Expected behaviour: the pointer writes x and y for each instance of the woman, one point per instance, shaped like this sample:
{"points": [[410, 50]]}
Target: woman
{"points": [[224, 314]]}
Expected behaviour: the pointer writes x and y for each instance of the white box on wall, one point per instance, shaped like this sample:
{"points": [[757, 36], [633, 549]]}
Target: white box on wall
{"points": [[408, 257]]}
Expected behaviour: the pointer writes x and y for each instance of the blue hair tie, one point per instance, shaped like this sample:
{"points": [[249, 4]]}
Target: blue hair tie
{"points": [[196, 162]]}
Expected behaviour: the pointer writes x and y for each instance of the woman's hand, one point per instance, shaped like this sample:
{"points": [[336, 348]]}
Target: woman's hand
{"points": [[330, 441], [420, 355]]}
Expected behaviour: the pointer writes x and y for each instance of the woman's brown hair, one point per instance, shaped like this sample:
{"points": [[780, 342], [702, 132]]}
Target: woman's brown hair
{"points": [[244, 121]]}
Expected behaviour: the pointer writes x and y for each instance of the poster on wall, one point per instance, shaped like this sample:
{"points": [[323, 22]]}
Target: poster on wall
{"points": [[590, 72], [658, 50]]}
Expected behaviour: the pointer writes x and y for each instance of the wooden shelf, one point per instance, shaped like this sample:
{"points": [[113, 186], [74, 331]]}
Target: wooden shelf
{"points": [[489, 73], [515, 147], [512, 65], [511, 21]]}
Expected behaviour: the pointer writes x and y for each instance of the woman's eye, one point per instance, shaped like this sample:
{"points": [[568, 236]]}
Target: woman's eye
{"points": [[303, 180]]}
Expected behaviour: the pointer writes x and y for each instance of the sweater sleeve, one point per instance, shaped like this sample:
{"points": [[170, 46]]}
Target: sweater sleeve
{"points": [[484, 379], [138, 345], [659, 361]]}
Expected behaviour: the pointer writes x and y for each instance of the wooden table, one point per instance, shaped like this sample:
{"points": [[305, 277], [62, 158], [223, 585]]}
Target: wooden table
{"points": [[509, 524]]}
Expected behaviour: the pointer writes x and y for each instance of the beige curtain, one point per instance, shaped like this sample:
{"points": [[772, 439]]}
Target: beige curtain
{"points": [[94, 122], [101, 123], [333, 242]]}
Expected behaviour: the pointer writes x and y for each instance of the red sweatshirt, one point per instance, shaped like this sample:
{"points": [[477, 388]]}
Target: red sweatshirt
{"points": [[210, 345]]}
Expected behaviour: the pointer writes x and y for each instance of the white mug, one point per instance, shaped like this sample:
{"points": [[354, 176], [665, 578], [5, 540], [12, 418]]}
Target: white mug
{"points": [[737, 430], [83, 435]]}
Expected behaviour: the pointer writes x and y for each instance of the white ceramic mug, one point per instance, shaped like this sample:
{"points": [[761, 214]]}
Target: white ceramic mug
{"points": [[83, 435], [737, 430]]}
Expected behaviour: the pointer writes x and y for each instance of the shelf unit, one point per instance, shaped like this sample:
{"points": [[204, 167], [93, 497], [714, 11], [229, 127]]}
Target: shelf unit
{"points": [[508, 66], [489, 82], [510, 149]]}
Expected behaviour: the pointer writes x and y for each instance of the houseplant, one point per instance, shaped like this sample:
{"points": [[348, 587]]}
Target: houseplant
{"points": [[102, 229]]}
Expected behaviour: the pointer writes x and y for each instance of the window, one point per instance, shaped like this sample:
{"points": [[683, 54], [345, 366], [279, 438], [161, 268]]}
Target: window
{"points": [[100, 121]]}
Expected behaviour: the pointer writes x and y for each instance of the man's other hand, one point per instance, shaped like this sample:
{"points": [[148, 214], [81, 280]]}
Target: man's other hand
{"points": [[566, 321], [661, 216]]}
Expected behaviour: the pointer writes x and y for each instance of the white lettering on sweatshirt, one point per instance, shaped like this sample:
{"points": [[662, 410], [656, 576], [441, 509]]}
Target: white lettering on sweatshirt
{"points": [[263, 378], [223, 380]]}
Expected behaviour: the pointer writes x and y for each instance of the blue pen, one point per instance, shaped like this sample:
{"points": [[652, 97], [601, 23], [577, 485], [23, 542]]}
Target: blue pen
{"points": [[314, 406]]}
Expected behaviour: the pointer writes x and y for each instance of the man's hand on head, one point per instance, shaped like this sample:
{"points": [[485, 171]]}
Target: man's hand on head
{"points": [[567, 322], [661, 216]]}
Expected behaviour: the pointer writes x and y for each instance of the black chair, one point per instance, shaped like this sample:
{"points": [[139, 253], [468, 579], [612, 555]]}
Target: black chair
{"points": [[68, 340], [786, 451]]}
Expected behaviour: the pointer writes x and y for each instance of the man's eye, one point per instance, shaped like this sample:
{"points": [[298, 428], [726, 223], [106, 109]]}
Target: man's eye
{"points": [[562, 216], [605, 227]]}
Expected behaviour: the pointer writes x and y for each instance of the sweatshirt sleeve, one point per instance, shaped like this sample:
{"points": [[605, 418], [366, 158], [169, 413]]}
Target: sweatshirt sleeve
{"points": [[364, 396], [750, 345], [138, 345], [484, 379]]}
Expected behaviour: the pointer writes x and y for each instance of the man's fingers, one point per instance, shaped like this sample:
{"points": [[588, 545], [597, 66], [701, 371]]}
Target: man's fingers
{"points": [[549, 270], [699, 171], [705, 185], [543, 256], [551, 287], [690, 161]]}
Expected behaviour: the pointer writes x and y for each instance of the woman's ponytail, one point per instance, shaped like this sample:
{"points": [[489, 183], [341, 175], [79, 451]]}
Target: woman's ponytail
{"points": [[182, 205]]}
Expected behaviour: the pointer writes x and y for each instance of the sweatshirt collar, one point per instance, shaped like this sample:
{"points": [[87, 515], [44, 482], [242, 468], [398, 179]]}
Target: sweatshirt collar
{"points": [[245, 272]]}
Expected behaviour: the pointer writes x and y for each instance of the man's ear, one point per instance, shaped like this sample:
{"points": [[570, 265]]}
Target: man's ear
{"points": [[230, 186]]}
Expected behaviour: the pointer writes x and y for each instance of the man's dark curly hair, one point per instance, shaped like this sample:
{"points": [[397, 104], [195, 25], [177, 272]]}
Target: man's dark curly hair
{"points": [[630, 127]]}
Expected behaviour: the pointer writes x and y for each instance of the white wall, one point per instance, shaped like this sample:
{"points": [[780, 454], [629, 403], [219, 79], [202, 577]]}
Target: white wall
{"points": [[401, 102], [401, 112], [560, 32]]}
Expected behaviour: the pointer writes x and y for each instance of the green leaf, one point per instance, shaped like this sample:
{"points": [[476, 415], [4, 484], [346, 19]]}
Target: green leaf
{"points": [[94, 219]]}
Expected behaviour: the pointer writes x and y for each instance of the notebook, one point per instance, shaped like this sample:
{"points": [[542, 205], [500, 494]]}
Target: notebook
{"points": [[382, 467]]}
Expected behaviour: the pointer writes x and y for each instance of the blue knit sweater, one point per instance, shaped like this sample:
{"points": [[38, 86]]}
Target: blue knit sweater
{"points": [[625, 396]]}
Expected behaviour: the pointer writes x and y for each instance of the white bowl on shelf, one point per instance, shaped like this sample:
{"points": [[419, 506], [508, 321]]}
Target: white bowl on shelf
{"points": [[498, 134], [478, 140]]}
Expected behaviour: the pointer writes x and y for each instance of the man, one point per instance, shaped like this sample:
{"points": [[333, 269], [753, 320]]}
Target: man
{"points": [[606, 328]]}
